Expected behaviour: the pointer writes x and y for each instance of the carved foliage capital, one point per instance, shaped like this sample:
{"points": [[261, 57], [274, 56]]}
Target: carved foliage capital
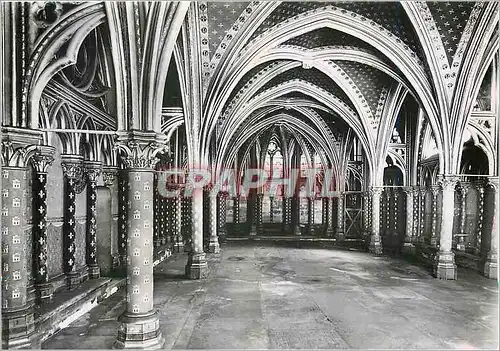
{"points": [[376, 191], [92, 170], [448, 182], [42, 158], [140, 153], [109, 175]]}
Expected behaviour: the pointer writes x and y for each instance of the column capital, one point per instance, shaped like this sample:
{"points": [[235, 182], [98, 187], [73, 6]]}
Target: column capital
{"points": [[42, 158], [448, 182], [435, 189], [72, 166], [376, 190], [109, 175], [408, 190], [139, 150], [92, 170], [493, 183], [18, 145]]}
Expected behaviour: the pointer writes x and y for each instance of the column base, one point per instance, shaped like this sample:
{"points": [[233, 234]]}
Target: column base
{"points": [[74, 279], [213, 246], [197, 266], [44, 293], [445, 267], [329, 232], [340, 236], [94, 272], [18, 328], [375, 246], [222, 236], [408, 248], [491, 266], [296, 230], [139, 331], [253, 230], [178, 247]]}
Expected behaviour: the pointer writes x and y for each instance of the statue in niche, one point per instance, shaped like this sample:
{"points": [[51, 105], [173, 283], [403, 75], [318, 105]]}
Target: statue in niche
{"points": [[395, 139]]}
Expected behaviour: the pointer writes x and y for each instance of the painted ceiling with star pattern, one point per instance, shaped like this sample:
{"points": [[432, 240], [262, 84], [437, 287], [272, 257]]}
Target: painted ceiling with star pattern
{"points": [[370, 84]]}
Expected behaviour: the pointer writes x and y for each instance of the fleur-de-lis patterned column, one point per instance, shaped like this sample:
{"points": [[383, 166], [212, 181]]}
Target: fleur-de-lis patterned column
{"points": [[491, 263], [408, 243], [92, 170], [41, 162], [271, 209], [197, 267], [221, 215], [109, 177], [258, 212], [236, 209], [178, 242], [416, 218], [340, 216], [421, 236], [139, 326], [445, 267], [476, 243], [310, 215], [295, 214], [366, 213], [213, 245], [329, 217], [435, 192], [464, 189], [375, 243], [123, 212], [17, 314], [287, 214], [72, 166]]}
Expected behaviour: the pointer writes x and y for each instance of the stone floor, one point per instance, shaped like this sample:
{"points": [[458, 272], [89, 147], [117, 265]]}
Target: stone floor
{"points": [[261, 296]]}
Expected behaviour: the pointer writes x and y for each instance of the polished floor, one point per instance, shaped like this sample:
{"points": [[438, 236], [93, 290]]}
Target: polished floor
{"points": [[262, 296]]}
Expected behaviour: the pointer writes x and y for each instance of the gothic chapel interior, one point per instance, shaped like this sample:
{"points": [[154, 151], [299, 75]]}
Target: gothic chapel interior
{"points": [[394, 103]]}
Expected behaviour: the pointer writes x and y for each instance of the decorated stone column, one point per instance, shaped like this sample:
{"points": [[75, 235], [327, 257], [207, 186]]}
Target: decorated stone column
{"points": [[41, 162], [310, 215], [271, 209], [461, 235], [422, 193], [92, 170], [408, 243], [213, 246], [197, 267], [178, 242], [72, 166], [435, 192], [123, 213], [110, 178], [416, 223], [491, 262], [287, 214], [296, 215], [258, 212], [236, 209], [139, 326], [340, 216], [329, 217], [445, 267], [17, 314], [366, 214], [476, 242], [375, 242], [221, 215]]}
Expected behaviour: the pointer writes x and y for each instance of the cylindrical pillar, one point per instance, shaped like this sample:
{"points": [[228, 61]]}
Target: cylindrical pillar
{"points": [[72, 166], [375, 243], [445, 267], [435, 192], [310, 215], [491, 263], [340, 216], [213, 245], [197, 266], [92, 169], [41, 162], [408, 243], [17, 314], [221, 216]]}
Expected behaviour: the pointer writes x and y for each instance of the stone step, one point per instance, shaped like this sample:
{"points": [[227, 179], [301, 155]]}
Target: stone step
{"points": [[68, 306]]}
